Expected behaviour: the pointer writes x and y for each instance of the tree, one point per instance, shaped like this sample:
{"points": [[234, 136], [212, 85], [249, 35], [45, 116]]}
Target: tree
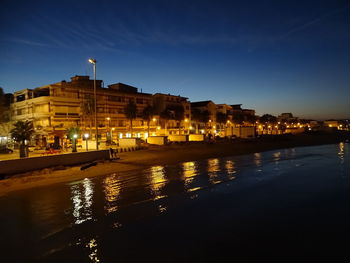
{"points": [[166, 115], [221, 117], [21, 132], [199, 117], [173, 112], [251, 118], [73, 134], [2, 104], [130, 111], [179, 114], [238, 118], [268, 118], [147, 115], [88, 109]]}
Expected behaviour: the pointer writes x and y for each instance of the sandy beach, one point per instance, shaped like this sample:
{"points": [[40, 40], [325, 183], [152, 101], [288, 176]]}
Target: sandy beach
{"points": [[164, 155]]}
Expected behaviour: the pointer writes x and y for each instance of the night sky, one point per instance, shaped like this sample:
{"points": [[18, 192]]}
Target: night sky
{"points": [[272, 56]]}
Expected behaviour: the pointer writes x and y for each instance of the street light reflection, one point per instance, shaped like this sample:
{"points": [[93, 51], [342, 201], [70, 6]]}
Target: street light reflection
{"points": [[111, 185], [213, 168], [341, 152], [189, 171], [230, 169], [157, 181], [82, 201], [92, 246]]}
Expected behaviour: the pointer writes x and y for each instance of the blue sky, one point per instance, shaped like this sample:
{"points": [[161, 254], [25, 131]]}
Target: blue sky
{"points": [[273, 56]]}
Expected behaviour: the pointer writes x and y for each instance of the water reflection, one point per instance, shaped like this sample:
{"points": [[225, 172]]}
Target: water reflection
{"points": [[213, 169], [157, 181], [257, 159], [230, 169], [111, 187], [341, 152], [81, 196], [92, 246], [118, 202], [277, 156], [189, 171]]}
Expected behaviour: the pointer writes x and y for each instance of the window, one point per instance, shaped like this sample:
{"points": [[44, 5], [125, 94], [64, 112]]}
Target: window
{"points": [[116, 98], [20, 98], [139, 101]]}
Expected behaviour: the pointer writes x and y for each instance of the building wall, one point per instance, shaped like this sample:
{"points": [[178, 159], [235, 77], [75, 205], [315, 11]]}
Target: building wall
{"points": [[62, 106], [164, 101]]}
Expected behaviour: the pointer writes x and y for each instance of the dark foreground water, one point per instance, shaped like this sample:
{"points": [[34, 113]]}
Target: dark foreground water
{"points": [[284, 203]]}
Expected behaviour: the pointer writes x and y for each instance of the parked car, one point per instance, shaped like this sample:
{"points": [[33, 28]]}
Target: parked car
{"points": [[5, 149]]}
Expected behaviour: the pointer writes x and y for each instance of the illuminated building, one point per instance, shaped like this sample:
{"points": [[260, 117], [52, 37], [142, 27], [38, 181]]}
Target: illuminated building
{"points": [[56, 107], [167, 104]]}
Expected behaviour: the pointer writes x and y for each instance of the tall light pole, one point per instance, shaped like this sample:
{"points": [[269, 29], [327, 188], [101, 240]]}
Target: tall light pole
{"points": [[93, 62], [86, 136]]}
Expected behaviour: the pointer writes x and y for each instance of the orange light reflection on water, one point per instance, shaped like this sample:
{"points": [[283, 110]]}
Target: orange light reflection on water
{"points": [[112, 187]]}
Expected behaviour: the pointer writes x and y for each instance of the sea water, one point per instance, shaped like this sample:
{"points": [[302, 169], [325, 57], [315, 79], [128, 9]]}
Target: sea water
{"points": [[284, 202]]}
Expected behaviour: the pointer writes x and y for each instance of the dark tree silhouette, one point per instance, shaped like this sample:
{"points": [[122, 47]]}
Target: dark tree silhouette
{"points": [[166, 115], [268, 118], [21, 132], [130, 111], [147, 115], [200, 117], [179, 114], [73, 134], [2, 103], [251, 118], [221, 117], [238, 118], [88, 109]]}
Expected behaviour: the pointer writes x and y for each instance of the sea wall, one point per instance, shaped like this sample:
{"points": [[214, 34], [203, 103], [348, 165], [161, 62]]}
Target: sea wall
{"points": [[178, 138], [158, 140], [8, 167], [196, 137]]}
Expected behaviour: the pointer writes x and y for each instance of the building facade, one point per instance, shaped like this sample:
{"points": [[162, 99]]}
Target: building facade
{"points": [[173, 113], [57, 107]]}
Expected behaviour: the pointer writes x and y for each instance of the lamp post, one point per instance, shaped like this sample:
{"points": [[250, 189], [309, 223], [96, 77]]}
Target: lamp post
{"points": [[75, 136], [112, 134], [86, 136], [93, 62], [108, 134]]}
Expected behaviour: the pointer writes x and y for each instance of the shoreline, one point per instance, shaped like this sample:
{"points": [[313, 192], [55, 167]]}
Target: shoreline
{"points": [[164, 155]]}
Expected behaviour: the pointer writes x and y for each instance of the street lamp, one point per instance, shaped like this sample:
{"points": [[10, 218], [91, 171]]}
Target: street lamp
{"points": [[75, 136], [86, 136], [93, 62], [108, 134]]}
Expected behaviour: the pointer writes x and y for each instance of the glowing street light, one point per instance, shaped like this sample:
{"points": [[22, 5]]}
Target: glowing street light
{"points": [[86, 136], [75, 136], [93, 62], [108, 131]]}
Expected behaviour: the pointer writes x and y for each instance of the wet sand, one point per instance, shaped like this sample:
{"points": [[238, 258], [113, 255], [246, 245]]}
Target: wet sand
{"points": [[163, 155]]}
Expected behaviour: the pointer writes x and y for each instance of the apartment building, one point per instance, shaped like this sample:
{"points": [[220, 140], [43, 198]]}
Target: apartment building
{"points": [[57, 107], [173, 113], [204, 116]]}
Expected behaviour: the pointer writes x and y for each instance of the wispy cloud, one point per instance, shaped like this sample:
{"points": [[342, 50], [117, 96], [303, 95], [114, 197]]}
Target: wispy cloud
{"points": [[26, 42], [312, 22]]}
